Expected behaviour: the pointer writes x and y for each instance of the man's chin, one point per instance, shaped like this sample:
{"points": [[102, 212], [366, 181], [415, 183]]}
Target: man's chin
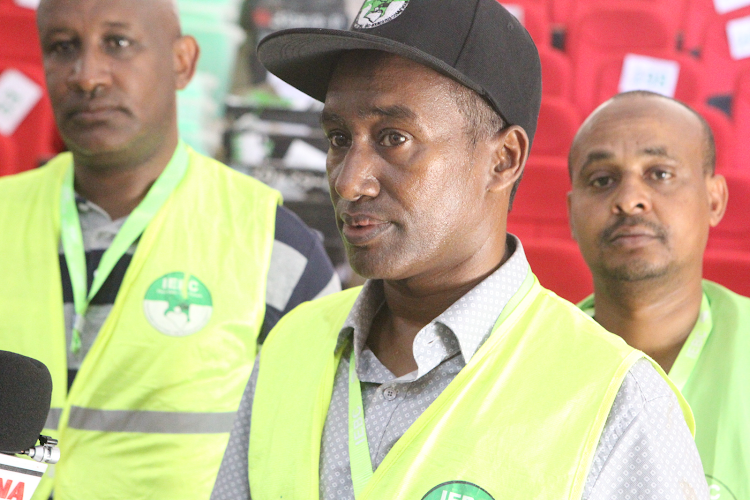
{"points": [[636, 271]]}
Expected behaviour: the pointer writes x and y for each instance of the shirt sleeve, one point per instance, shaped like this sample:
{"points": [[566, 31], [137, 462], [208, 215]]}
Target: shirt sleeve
{"points": [[646, 450], [300, 269], [232, 482]]}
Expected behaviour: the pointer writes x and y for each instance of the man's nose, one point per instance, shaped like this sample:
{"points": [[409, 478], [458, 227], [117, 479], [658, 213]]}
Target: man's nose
{"points": [[632, 196], [91, 72], [355, 176]]}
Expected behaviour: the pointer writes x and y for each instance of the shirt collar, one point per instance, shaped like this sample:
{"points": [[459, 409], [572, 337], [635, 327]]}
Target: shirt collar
{"points": [[471, 318]]}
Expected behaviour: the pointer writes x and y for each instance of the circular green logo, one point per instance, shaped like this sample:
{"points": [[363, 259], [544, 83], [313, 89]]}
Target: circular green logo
{"points": [[457, 490], [718, 490], [377, 12], [178, 305]]}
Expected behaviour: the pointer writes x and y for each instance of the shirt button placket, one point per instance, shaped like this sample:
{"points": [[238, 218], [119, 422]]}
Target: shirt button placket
{"points": [[390, 393]]}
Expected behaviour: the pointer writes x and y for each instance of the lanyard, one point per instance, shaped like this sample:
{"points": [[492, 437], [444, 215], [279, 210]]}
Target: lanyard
{"points": [[359, 450], [692, 348], [72, 238]]}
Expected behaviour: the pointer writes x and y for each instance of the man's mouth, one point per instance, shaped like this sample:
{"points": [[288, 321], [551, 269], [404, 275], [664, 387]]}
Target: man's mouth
{"points": [[633, 232], [358, 229]]}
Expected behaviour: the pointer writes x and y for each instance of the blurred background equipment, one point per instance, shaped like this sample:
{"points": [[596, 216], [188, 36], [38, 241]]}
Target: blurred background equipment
{"points": [[697, 51]]}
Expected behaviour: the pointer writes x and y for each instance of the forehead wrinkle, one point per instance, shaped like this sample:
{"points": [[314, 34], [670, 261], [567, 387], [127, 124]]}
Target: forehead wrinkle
{"points": [[395, 111]]}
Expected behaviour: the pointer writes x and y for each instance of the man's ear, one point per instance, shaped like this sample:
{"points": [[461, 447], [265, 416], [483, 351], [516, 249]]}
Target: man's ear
{"points": [[511, 148], [186, 52], [718, 195]]}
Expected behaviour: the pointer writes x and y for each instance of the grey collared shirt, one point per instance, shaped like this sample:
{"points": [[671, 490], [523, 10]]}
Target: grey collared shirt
{"points": [[645, 451]]}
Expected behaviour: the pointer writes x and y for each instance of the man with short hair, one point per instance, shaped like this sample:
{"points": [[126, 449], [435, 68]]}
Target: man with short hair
{"points": [[644, 196], [140, 272], [452, 374]]}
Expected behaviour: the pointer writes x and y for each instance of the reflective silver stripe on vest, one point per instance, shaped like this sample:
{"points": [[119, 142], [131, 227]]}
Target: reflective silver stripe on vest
{"points": [[155, 422], [53, 418]]}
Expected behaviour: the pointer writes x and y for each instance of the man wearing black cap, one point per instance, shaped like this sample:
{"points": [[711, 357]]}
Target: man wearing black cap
{"points": [[452, 374]]}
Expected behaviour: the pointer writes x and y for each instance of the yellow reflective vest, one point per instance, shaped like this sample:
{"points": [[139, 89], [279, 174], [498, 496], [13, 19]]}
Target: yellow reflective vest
{"points": [[718, 391], [150, 411], [521, 421]]}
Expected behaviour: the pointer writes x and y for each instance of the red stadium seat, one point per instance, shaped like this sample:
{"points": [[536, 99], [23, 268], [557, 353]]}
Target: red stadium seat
{"points": [[557, 125], [535, 18], [741, 120], [36, 135], [733, 232], [697, 14], [557, 73], [689, 84], [560, 267], [615, 30], [724, 136], [8, 161], [19, 40], [540, 207], [673, 8], [720, 68], [728, 268]]}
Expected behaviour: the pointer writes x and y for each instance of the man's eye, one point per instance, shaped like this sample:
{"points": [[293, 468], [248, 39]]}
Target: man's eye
{"points": [[62, 47], [337, 140], [117, 42], [661, 175], [602, 182], [393, 139]]}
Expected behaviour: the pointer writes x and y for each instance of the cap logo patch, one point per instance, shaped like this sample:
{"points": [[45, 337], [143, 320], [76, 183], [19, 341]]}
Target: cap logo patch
{"points": [[377, 12]]}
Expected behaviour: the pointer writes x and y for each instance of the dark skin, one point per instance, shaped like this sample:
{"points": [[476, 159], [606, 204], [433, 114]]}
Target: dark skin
{"points": [[418, 205], [112, 70], [641, 206]]}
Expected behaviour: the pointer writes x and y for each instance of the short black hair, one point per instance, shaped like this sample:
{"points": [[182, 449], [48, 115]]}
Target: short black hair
{"points": [[709, 144], [482, 121]]}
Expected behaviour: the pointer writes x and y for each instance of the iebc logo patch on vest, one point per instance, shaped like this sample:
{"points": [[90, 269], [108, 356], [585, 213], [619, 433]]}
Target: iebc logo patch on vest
{"points": [[377, 12], [178, 305], [457, 490]]}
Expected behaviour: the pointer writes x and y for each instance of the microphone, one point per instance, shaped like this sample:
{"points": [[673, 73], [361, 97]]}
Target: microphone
{"points": [[25, 395]]}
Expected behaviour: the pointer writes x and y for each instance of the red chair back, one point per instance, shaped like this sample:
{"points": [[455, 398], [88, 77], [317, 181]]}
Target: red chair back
{"points": [[557, 125], [728, 268], [8, 161], [540, 207], [733, 232], [557, 73], [560, 267]]}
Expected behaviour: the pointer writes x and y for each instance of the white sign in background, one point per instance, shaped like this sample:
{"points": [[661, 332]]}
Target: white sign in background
{"points": [[738, 36], [517, 11], [18, 96], [29, 4], [19, 477], [724, 6], [649, 73]]}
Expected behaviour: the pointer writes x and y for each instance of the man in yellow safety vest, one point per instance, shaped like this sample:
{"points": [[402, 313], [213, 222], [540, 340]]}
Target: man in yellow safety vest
{"points": [[140, 272], [644, 195], [452, 374]]}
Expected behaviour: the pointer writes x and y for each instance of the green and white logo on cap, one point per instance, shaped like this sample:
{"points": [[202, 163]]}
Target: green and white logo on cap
{"points": [[457, 490], [377, 12], [178, 305]]}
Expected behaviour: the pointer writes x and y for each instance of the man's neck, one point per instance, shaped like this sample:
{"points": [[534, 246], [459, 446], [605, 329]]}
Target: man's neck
{"points": [[409, 306], [118, 189], [655, 317]]}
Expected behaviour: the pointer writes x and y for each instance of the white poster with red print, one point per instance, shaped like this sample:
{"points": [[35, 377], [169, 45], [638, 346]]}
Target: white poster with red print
{"points": [[19, 477]]}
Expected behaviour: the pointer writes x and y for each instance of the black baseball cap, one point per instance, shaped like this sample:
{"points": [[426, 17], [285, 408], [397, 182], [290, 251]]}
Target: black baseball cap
{"points": [[476, 42]]}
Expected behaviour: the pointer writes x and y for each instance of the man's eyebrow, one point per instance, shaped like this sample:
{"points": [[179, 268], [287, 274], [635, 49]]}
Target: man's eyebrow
{"points": [[595, 156], [396, 111], [328, 117], [117, 24], [660, 151]]}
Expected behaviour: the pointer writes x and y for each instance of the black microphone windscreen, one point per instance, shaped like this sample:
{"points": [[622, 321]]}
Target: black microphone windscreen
{"points": [[25, 394]]}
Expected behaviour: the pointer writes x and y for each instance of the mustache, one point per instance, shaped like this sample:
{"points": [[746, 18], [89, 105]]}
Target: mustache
{"points": [[633, 221]]}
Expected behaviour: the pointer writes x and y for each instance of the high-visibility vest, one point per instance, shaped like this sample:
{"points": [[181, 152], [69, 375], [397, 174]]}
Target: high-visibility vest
{"points": [[718, 391], [522, 420], [150, 411]]}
